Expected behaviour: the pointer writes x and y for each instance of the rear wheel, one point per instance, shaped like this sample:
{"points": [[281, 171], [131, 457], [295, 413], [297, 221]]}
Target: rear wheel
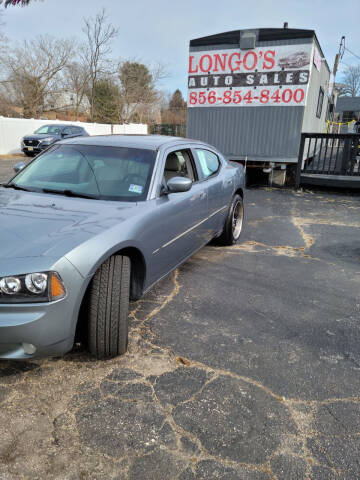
{"points": [[109, 308], [234, 222]]}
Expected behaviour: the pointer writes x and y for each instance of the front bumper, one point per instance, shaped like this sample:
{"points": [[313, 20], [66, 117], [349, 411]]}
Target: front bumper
{"points": [[34, 150], [44, 325], [50, 327]]}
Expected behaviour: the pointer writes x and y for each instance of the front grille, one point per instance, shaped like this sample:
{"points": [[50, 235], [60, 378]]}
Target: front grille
{"points": [[31, 143]]}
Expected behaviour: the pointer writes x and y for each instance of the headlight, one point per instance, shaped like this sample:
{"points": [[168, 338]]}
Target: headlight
{"points": [[31, 287], [36, 282], [10, 285], [47, 140]]}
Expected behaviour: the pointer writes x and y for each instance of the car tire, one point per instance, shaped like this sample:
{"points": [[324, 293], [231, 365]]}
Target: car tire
{"points": [[28, 154], [109, 308], [233, 223]]}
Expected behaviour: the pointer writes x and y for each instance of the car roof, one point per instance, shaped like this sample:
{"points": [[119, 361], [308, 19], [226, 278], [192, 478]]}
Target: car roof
{"points": [[150, 142], [61, 125]]}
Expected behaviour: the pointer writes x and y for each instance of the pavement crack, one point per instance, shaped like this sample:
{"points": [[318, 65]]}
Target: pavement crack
{"points": [[157, 309], [168, 299], [299, 224], [280, 250], [8, 454], [332, 414], [54, 431], [251, 381]]}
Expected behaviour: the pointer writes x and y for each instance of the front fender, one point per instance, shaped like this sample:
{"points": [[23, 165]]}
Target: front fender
{"points": [[88, 256]]}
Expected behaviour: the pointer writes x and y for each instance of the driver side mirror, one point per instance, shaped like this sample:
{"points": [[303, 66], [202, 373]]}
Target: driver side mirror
{"points": [[179, 184], [19, 166]]}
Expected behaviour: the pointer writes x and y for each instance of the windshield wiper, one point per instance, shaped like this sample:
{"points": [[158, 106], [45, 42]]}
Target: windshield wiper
{"points": [[70, 193], [66, 192], [16, 187]]}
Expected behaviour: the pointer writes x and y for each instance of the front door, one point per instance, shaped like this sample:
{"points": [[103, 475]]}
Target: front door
{"points": [[219, 185], [180, 217]]}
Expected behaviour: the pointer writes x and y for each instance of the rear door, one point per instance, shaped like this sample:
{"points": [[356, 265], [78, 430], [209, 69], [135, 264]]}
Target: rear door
{"points": [[179, 228], [70, 132], [77, 132], [66, 132]]}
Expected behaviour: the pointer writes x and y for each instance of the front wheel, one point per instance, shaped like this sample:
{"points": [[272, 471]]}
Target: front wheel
{"points": [[234, 222], [109, 308]]}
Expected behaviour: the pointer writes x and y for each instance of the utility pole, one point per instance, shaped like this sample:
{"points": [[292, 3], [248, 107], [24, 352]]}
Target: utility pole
{"points": [[338, 57]]}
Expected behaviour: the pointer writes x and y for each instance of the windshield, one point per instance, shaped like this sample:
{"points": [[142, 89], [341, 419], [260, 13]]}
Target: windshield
{"points": [[110, 173], [54, 129]]}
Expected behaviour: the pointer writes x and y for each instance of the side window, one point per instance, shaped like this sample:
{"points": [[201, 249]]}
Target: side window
{"points": [[209, 162], [320, 103], [179, 164], [67, 131], [76, 130]]}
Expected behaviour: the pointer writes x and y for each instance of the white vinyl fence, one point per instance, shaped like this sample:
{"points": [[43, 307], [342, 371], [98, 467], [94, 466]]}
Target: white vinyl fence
{"points": [[13, 129]]}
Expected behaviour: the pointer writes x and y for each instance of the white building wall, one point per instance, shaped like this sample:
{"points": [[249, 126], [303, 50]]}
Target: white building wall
{"points": [[13, 129]]}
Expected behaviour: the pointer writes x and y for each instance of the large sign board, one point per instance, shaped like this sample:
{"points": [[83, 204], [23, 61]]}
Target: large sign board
{"points": [[274, 75]]}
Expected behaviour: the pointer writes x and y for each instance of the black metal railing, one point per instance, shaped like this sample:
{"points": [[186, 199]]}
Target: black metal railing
{"points": [[168, 129], [334, 154]]}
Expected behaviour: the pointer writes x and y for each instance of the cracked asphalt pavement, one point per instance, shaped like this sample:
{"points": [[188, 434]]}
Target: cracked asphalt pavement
{"points": [[243, 364]]}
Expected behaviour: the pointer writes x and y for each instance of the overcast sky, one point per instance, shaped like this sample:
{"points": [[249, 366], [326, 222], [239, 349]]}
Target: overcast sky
{"points": [[160, 30]]}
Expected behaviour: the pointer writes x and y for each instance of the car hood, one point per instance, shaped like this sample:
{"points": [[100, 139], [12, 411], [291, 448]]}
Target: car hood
{"points": [[36, 224]]}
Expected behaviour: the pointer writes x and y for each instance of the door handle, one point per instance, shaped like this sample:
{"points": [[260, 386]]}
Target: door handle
{"points": [[198, 196]]}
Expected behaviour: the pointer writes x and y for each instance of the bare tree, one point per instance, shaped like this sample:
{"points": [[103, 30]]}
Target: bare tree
{"points": [[351, 81], [32, 71], [158, 72], [340, 89], [3, 40], [13, 3], [97, 49], [76, 80]]}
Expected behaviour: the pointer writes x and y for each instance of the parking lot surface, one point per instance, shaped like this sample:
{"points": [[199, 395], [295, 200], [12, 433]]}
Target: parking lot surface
{"points": [[243, 364], [7, 163]]}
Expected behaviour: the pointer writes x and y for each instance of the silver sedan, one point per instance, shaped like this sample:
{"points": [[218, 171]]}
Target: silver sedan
{"points": [[96, 221]]}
